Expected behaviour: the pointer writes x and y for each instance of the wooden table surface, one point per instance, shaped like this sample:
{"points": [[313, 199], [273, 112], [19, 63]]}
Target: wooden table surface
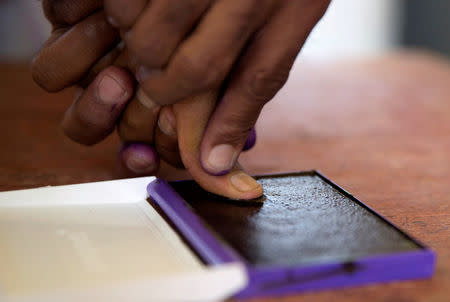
{"points": [[378, 127]]}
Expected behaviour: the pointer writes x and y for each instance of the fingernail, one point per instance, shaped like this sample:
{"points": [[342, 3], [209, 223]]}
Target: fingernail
{"points": [[109, 90], [166, 122], [140, 162], [221, 158], [251, 140], [243, 183]]}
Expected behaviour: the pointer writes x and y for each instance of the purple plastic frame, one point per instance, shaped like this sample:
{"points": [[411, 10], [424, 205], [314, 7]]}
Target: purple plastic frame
{"points": [[270, 281]]}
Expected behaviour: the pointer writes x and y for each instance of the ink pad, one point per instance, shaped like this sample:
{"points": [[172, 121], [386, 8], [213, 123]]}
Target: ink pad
{"points": [[308, 234]]}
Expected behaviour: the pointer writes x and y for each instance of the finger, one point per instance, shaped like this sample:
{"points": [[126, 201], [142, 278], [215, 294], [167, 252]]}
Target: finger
{"points": [[261, 72], [139, 159], [160, 28], [139, 119], [93, 115], [69, 54], [204, 59], [192, 117], [67, 12], [166, 139], [123, 13]]}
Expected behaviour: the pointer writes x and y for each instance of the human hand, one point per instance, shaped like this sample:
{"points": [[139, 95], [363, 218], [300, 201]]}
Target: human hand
{"points": [[94, 112], [184, 48], [81, 51]]}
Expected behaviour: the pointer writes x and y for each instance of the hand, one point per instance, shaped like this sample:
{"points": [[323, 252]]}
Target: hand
{"points": [[184, 48], [81, 51], [96, 108]]}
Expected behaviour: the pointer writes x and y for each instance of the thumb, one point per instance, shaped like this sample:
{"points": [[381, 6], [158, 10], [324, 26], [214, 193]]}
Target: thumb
{"points": [[229, 131], [192, 116]]}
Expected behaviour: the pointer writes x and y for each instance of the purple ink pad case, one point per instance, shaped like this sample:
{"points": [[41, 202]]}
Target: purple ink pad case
{"points": [[308, 234]]}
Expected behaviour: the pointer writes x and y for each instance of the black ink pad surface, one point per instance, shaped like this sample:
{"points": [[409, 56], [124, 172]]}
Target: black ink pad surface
{"points": [[307, 234]]}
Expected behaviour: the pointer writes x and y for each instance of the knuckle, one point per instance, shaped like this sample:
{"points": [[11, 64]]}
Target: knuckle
{"points": [[262, 85], [235, 127], [152, 50], [235, 133], [195, 72]]}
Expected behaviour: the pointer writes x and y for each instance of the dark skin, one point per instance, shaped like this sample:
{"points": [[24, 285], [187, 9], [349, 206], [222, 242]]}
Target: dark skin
{"points": [[186, 55]]}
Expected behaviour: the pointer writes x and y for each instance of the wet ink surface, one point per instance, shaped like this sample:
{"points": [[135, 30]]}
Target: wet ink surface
{"points": [[303, 220]]}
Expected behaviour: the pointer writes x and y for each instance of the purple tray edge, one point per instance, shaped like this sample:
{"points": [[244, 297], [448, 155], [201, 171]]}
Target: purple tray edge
{"points": [[283, 280], [385, 268], [205, 243]]}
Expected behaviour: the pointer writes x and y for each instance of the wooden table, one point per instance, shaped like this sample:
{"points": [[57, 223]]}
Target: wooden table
{"points": [[380, 128]]}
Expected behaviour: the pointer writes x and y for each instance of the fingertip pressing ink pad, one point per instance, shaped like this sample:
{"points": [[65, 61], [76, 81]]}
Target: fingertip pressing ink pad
{"points": [[308, 234]]}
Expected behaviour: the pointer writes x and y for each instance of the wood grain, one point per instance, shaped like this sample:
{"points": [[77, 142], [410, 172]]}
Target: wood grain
{"points": [[378, 127]]}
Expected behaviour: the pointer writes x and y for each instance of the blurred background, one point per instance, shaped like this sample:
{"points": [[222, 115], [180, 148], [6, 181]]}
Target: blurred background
{"points": [[350, 28]]}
